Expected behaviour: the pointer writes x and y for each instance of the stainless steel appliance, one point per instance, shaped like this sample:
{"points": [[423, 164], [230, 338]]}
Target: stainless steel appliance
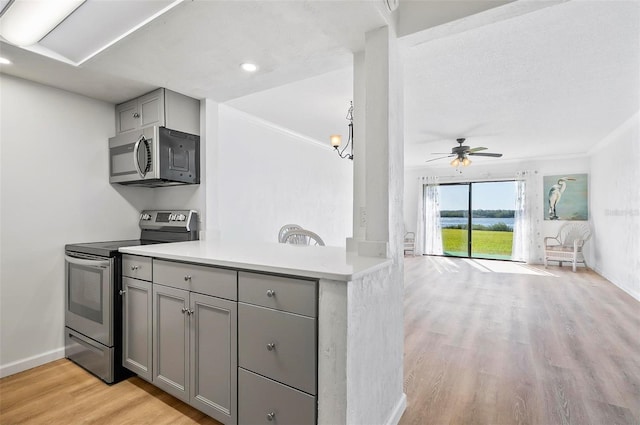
{"points": [[93, 280], [154, 156]]}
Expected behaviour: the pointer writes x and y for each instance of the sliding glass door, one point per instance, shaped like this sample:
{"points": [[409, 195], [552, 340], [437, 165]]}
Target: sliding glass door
{"points": [[477, 219], [454, 219]]}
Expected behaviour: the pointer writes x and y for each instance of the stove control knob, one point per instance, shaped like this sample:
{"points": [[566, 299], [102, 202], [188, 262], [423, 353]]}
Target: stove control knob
{"points": [[146, 216], [172, 217], [181, 217]]}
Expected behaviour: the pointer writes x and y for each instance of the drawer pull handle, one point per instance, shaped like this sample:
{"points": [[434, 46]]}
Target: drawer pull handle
{"points": [[271, 346], [271, 293], [123, 291], [271, 416], [134, 268], [187, 278]]}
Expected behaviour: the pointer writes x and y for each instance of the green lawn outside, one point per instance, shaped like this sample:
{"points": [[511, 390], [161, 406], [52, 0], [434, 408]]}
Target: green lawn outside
{"points": [[486, 244]]}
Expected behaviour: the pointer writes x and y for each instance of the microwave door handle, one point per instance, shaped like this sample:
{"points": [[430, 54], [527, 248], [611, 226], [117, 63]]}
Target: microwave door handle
{"points": [[136, 148], [90, 263]]}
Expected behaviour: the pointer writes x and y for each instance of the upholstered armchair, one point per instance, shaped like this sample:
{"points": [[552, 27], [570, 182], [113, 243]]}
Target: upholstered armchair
{"points": [[567, 245]]}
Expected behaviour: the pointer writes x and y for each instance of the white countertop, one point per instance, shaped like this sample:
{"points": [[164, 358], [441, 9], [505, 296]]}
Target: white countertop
{"points": [[322, 262]]}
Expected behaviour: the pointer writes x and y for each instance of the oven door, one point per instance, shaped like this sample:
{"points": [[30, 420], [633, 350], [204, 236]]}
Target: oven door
{"points": [[89, 294]]}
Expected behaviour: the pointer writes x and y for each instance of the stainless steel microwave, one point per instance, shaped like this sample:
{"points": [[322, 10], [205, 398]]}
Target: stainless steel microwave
{"points": [[154, 156]]}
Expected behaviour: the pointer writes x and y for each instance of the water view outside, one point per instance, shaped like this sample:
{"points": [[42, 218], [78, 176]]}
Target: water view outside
{"points": [[484, 221], [492, 237], [491, 205]]}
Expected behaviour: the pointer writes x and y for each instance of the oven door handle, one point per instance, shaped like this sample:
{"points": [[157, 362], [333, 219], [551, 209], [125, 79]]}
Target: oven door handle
{"points": [[90, 263]]}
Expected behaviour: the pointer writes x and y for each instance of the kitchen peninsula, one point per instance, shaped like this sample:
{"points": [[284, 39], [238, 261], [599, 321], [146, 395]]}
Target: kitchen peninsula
{"points": [[321, 297]]}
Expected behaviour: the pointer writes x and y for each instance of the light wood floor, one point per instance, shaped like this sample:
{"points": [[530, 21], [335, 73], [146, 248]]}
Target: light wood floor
{"points": [[481, 347], [485, 347], [61, 393]]}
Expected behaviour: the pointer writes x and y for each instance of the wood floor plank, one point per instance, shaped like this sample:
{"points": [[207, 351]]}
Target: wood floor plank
{"points": [[526, 346], [62, 393]]}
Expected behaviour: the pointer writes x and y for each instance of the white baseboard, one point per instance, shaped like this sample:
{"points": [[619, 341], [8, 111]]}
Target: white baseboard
{"points": [[31, 362], [634, 294], [398, 410]]}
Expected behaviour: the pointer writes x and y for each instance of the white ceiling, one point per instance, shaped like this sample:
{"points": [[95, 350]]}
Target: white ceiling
{"points": [[551, 82], [527, 78]]}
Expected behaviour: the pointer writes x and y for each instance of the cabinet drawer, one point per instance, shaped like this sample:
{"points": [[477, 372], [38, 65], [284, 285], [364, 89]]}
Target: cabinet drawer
{"points": [[202, 279], [263, 401], [136, 266], [278, 345], [282, 293]]}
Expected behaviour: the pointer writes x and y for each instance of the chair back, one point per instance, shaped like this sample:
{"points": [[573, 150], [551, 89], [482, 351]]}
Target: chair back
{"points": [[571, 232], [284, 229], [302, 237]]}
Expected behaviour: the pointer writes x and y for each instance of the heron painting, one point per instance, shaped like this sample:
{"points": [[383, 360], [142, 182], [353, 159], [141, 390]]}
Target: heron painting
{"points": [[566, 197]]}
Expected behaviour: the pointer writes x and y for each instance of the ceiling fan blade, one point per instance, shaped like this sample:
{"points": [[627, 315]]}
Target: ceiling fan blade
{"points": [[479, 148], [494, 155], [442, 157], [441, 153]]}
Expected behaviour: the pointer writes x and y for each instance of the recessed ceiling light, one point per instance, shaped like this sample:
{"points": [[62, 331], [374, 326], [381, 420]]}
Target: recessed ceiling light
{"points": [[4, 61], [249, 67]]}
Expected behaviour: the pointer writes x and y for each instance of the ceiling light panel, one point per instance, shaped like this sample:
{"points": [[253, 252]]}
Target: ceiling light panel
{"points": [[24, 23], [3, 5], [97, 24]]}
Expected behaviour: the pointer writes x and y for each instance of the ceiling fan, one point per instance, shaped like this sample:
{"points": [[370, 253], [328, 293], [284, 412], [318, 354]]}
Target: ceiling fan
{"points": [[462, 153]]}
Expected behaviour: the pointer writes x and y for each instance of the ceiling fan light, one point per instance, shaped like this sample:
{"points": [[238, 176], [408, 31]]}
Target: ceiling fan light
{"points": [[455, 162], [466, 162]]}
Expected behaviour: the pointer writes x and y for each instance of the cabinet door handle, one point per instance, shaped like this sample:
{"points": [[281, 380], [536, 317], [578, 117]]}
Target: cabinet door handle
{"points": [[187, 278], [190, 312], [123, 291], [135, 267], [271, 416], [271, 346], [271, 293], [136, 115], [185, 310]]}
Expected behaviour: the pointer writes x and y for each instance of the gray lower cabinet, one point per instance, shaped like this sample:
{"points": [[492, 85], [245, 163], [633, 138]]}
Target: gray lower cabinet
{"points": [[277, 349], [136, 321], [264, 401], [238, 346], [195, 350]]}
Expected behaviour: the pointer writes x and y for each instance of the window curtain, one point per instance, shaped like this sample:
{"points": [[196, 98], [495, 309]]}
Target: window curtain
{"points": [[526, 226], [429, 232]]}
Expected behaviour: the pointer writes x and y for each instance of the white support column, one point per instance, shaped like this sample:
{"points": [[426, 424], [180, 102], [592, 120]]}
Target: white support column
{"points": [[383, 180], [359, 153]]}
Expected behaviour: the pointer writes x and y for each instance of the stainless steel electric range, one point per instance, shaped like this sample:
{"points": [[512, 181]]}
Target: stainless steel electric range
{"points": [[93, 285]]}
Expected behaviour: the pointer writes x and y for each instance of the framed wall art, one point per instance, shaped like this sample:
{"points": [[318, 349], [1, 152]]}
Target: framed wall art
{"points": [[566, 197]]}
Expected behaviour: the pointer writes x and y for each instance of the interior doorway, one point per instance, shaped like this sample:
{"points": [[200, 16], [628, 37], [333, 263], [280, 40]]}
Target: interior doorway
{"points": [[477, 219]]}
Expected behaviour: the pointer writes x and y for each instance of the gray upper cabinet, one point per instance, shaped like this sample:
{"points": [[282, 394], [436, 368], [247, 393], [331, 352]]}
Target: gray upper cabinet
{"points": [[161, 107]]}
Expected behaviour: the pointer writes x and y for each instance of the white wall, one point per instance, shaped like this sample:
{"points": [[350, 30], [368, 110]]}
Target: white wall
{"points": [[268, 177], [497, 171], [54, 190], [615, 207]]}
